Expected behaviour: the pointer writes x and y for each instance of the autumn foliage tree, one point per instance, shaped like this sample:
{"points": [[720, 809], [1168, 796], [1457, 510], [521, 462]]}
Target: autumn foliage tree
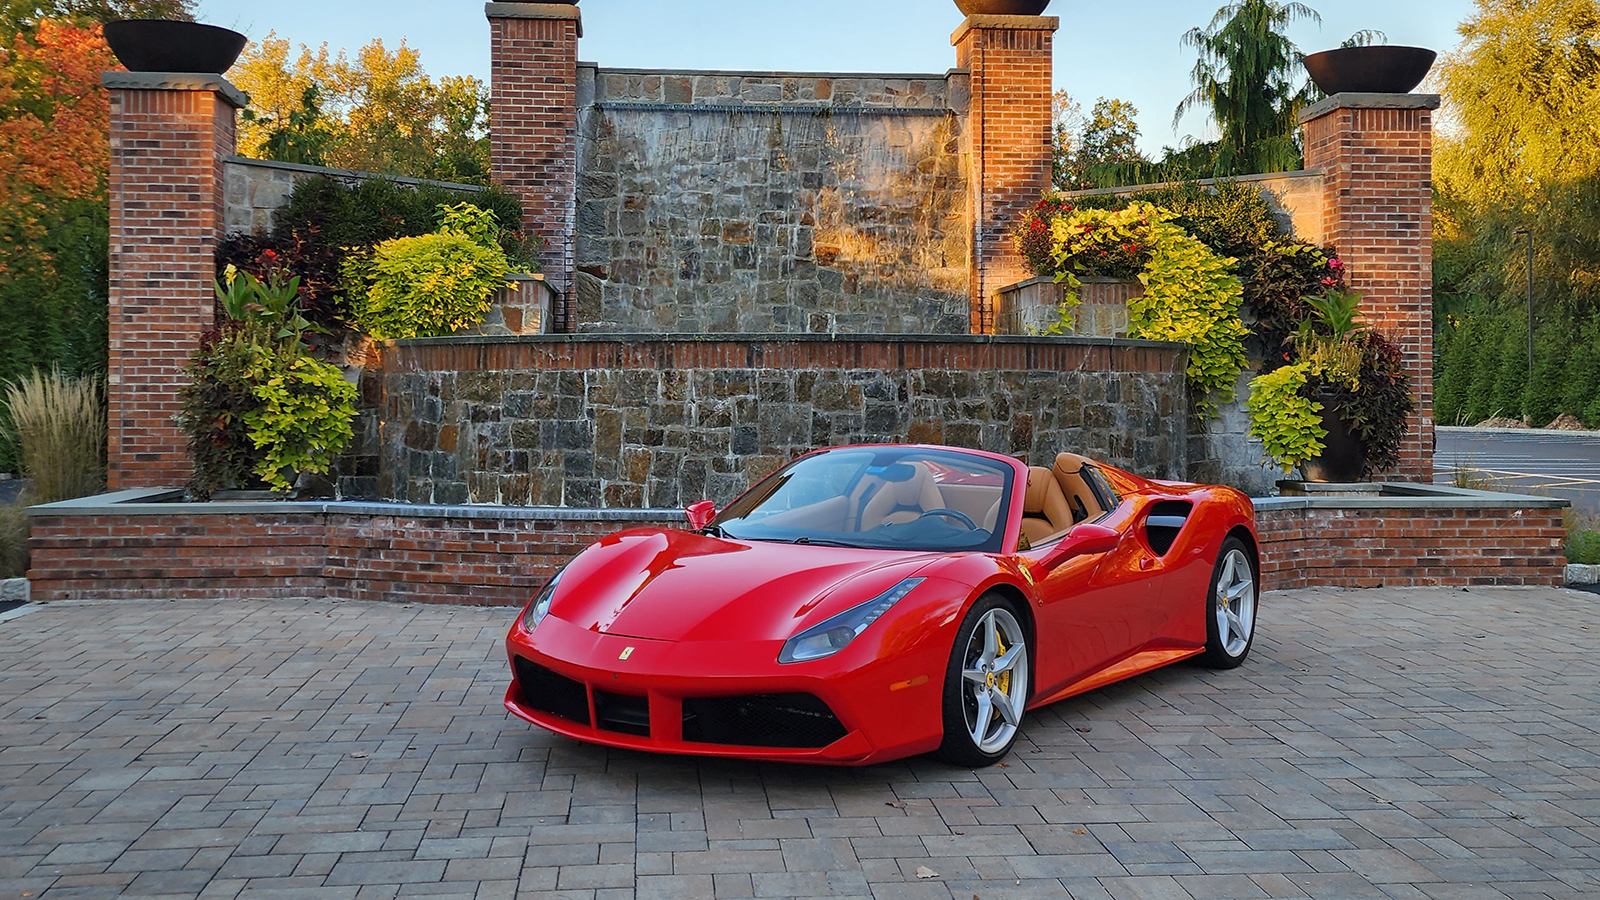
{"points": [[54, 160]]}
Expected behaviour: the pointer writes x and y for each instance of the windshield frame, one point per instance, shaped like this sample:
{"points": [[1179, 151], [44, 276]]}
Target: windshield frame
{"points": [[1002, 541]]}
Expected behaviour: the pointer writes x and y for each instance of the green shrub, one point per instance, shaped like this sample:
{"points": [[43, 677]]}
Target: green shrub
{"points": [[433, 285], [14, 529], [1284, 418], [59, 424], [1583, 538], [258, 408], [1481, 368], [326, 221], [1191, 295]]}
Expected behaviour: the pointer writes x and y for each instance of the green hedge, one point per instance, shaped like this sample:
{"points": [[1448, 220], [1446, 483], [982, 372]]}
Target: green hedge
{"points": [[1481, 369]]}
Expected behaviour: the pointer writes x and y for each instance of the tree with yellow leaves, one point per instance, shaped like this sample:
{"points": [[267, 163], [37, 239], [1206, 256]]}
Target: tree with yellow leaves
{"points": [[379, 112]]}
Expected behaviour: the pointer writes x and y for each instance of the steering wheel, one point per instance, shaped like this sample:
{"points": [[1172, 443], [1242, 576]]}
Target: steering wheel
{"points": [[952, 514]]}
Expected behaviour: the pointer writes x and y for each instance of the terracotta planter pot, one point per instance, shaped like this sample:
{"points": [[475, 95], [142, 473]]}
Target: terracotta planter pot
{"points": [[159, 45], [1002, 7], [1380, 69], [1344, 459]]}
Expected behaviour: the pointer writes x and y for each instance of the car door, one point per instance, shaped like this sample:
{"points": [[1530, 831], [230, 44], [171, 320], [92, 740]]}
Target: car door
{"points": [[1095, 610]]}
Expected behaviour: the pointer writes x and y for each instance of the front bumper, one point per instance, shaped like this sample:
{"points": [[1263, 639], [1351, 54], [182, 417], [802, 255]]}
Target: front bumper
{"points": [[727, 699]]}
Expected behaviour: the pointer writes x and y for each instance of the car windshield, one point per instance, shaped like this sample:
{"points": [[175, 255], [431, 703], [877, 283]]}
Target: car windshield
{"points": [[884, 498]]}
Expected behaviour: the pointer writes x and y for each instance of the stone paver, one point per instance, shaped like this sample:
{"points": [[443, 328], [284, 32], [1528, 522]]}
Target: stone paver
{"points": [[1386, 744]]}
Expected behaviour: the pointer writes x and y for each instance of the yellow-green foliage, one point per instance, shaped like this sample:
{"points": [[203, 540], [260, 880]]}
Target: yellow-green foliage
{"points": [[1288, 423], [303, 420], [1191, 295], [432, 285], [60, 424]]}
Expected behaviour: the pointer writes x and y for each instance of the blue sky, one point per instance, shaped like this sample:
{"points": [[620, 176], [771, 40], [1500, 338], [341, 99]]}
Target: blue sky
{"points": [[1125, 49]]}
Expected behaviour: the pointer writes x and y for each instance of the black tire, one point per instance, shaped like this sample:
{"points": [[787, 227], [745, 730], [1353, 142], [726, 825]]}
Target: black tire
{"points": [[1229, 650], [959, 747]]}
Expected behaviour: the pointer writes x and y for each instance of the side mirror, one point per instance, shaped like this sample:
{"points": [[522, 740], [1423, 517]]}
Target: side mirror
{"points": [[700, 514], [1086, 539]]}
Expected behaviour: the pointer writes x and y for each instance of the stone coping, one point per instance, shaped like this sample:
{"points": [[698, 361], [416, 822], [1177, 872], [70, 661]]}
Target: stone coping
{"points": [[169, 502], [818, 108], [782, 338], [1408, 495], [768, 73], [1368, 101], [300, 168], [1203, 182], [1585, 575], [1046, 279], [176, 81], [1005, 23], [566, 11]]}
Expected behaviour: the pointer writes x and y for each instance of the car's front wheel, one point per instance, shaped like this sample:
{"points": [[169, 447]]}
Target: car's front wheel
{"points": [[1231, 606], [986, 685]]}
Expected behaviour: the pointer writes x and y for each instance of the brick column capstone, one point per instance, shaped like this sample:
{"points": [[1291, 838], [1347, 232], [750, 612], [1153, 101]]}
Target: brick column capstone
{"points": [[1008, 139], [170, 133], [1375, 152], [533, 128]]}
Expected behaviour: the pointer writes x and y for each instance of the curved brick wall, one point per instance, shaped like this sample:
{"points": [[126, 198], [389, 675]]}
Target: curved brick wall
{"points": [[660, 422]]}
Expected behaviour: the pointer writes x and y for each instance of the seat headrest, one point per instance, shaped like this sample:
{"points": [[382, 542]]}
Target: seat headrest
{"points": [[1071, 464]]}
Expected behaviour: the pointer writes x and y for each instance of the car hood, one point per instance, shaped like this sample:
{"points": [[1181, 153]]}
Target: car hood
{"points": [[679, 586]]}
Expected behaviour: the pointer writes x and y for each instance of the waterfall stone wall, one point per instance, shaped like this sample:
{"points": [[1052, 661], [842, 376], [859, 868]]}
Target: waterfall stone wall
{"points": [[770, 203]]}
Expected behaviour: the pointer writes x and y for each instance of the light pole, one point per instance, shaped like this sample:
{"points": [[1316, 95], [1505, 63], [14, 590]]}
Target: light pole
{"points": [[1524, 232]]}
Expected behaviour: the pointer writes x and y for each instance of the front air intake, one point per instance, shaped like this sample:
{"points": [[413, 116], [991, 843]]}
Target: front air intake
{"points": [[799, 721], [549, 692]]}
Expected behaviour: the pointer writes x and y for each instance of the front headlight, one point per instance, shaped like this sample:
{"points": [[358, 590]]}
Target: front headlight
{"points": [[540, 607], [829, 637]]}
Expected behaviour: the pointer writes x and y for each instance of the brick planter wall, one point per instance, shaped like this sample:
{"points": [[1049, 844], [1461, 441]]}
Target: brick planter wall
{"points": [[132, 546], [1388, 544], [282, 550]]}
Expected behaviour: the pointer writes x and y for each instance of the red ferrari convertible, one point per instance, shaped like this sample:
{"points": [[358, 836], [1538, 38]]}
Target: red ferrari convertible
{"points": [[868, 603]]}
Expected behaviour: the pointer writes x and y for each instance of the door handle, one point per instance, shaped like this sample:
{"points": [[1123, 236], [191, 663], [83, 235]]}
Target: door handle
{"points": [[1145, 563]]}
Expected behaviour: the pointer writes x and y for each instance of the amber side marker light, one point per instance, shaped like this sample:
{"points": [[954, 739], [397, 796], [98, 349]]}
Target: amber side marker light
{"points": [[909, 683]]}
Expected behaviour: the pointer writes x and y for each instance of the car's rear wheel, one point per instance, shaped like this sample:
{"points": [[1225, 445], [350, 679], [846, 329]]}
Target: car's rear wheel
{"points": [[986, 685], [1231, 606]]}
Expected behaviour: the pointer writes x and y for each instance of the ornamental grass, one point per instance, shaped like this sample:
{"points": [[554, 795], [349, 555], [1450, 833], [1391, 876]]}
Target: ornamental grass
{"points": [[58, 422]]}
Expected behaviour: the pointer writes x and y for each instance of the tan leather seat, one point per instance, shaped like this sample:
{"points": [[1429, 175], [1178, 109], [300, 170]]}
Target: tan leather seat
{"points": [[1068, 473], [1045, 510], [898, 502]]}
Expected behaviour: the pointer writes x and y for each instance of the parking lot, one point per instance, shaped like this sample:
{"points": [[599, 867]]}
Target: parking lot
{"points": [[1398, 743]]}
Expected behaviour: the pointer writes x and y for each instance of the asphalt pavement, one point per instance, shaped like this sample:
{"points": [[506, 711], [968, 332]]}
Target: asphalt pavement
{"points": [[1558, 463]]}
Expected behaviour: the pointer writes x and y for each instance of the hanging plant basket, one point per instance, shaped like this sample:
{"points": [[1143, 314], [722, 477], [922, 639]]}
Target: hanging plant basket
{"points": [[1378, 69], [1002, 7], [161, 45]]}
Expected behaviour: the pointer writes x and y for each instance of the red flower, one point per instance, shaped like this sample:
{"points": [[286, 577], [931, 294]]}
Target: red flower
{"points": [[1336, 264]]}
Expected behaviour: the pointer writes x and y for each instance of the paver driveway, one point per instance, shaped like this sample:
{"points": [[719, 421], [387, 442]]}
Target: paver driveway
{"points": [[1407, 744]]}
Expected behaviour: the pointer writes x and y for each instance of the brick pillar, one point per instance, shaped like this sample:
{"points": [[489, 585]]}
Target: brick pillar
{"points": [[1008, 140], [1375, 152], [533, 128], [169, 136]]}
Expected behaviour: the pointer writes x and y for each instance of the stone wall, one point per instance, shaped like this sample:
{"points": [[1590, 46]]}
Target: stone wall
{"points": [[769, 203], [256, 189], [1296, 198], [665, 422]]}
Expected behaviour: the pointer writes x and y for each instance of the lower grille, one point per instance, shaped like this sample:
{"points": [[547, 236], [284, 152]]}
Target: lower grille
{"points": [[549, 692], [622, 713], [799, 721]]}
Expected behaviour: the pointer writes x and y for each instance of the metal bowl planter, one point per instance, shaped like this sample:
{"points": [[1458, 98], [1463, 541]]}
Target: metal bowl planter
{"points": [[162, 45], [1378, 69], [1344, 455], [1002, 7]]}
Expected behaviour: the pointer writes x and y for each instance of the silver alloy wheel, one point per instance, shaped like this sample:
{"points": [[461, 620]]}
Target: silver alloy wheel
{"points": [[1236, 603], [995, 681]]}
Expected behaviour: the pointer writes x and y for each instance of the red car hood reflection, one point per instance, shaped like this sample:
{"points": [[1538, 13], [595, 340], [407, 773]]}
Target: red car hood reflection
{"points": [[679, 586]]}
